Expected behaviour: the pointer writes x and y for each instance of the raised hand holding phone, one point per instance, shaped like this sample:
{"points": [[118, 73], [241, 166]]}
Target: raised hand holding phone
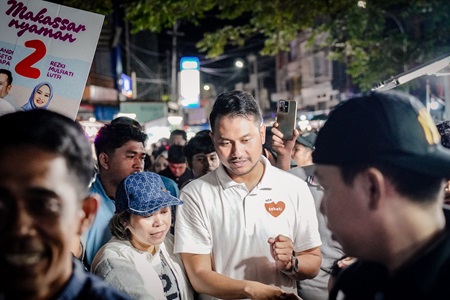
{"points": [[287, 117]]}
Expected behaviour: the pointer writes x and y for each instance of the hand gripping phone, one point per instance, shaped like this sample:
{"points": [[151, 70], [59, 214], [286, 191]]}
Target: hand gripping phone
{"points": [[287, 118]]}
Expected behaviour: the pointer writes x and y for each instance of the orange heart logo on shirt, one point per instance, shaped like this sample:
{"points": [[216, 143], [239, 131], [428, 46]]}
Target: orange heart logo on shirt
{"points": [[275, 209]]}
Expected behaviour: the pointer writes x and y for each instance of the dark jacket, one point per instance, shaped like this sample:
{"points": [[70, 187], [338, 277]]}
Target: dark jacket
{"points": [[426, 276], [188, 174]]}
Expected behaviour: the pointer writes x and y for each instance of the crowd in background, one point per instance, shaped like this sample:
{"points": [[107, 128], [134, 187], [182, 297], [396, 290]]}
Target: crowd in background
{"points": [[353, 211]]}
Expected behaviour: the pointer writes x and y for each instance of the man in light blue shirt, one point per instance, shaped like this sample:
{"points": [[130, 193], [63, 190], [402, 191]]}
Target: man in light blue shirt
{"points": [[120, 152]]}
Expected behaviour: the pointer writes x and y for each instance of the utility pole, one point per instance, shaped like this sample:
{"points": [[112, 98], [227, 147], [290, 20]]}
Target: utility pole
{"points": [[253, 59], [127, 47], [173, 82]]}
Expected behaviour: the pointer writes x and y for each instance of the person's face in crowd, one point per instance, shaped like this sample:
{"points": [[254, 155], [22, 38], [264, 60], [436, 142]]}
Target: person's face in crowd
{"points": [[42, 96], [204, 163], [124, 161], [160, 164], [177, 169], [150, 231], [4, 86], [301, 155], [177, 139], [40, 217], [238, 143], [344, 208]]}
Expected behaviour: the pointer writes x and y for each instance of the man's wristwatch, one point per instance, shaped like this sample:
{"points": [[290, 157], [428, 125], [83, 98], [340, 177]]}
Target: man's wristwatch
{"points": [[294, 267]]}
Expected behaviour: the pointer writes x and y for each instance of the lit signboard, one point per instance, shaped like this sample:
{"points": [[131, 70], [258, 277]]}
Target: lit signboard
{"points": [[190, 82]]}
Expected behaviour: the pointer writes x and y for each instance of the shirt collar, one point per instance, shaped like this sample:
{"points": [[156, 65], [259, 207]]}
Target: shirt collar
{"points": [[76, 282], [226, 181], [98, 188]]}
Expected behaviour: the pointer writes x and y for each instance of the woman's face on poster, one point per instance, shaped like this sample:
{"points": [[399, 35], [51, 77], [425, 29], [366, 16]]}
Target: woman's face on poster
{"points": [[42, 96]]}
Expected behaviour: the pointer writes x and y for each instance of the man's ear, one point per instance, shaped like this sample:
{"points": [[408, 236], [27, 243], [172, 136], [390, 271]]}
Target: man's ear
{"points": [[375, 187], [309, 152], [89, 209], [262, 132], [103, 160]]}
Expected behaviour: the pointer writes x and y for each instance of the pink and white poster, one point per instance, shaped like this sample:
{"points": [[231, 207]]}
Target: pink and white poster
{"points": [[48, 50]]}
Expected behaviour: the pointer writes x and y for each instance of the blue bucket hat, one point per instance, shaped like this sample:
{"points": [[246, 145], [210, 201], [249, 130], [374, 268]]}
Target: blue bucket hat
{"points": [[142, 194]]}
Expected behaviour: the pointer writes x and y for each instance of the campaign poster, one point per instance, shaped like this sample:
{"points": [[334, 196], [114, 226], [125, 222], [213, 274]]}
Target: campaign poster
{"points": [[48, 48]]}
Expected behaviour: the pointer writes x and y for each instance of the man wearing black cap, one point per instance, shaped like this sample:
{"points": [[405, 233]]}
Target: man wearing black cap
{"points": [[382, 166], [177, 169], [303, 148]]}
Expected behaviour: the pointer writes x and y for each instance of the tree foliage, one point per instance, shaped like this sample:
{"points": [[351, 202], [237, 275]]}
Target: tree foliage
{"points": [[97, 6], [385, 38], [375, 39]]}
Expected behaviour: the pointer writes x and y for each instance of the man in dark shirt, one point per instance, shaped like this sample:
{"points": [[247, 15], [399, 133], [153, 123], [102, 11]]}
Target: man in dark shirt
{"points": [[177, 169], [45, 168], [201, 155], [382, 168]]}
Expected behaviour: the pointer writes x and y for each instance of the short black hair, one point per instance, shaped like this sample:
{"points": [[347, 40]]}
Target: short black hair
{"points": [[115, 135], [233, 104], [175, 154], [179, 132], [7, 73], [126, 120], [198, 144], [418, 187], [206, 132], [53, 132]]}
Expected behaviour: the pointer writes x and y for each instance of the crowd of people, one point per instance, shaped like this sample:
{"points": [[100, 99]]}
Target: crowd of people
{"points": [[353, 211]]}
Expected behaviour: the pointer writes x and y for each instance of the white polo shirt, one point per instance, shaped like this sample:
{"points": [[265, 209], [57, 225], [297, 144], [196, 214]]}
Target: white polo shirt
{"points": [[221, 217], [5, 107]]}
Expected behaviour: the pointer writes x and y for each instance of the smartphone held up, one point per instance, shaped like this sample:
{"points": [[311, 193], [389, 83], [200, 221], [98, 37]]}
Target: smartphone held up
{"points": [[287, 118]]}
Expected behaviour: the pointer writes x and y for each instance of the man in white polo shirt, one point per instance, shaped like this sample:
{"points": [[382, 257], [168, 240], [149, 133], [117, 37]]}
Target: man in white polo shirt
{"points": [[247, 229]]}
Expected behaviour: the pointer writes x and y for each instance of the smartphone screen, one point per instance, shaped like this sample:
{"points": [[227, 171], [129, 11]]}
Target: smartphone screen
{"points": [[287, 117]]}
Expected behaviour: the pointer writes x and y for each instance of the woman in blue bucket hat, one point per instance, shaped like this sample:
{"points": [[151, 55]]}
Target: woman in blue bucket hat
{"points": [[139, 258]]}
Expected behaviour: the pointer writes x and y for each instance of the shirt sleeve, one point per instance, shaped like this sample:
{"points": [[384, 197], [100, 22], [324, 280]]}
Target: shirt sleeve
{"points": [[192, 234], [307, 235], [123, 275]]}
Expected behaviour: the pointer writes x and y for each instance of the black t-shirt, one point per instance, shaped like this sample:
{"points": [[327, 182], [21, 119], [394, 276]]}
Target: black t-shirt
{"points": [[426, 276], [188, 174]]}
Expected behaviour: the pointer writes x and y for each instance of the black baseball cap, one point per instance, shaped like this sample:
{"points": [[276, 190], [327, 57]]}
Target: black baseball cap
{"points": [[175, 154], [383, 127], [307, 139]]}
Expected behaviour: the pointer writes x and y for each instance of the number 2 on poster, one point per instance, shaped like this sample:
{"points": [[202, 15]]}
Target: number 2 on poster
{"points": [[25, 66]]}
